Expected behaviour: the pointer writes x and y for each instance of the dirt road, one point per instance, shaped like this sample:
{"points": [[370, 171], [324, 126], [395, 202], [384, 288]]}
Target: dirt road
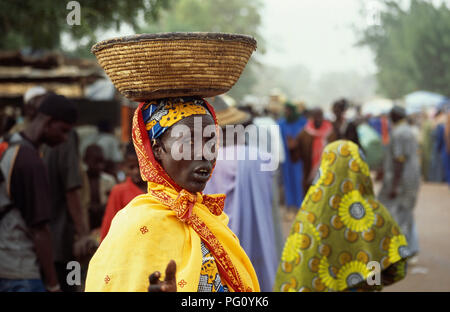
{"points": [[432, 271]]}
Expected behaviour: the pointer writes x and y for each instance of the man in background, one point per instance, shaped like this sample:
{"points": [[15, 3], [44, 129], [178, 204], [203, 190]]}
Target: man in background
{"points": [[69, 223], [401, 180], [26, 249]]}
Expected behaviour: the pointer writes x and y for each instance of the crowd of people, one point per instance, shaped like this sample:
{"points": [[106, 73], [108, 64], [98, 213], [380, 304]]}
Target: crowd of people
{"points": [[94, 200]]}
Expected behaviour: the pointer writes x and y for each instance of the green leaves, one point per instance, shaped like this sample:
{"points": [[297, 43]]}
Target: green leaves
{"points": [[412, 48], [40, 24]]}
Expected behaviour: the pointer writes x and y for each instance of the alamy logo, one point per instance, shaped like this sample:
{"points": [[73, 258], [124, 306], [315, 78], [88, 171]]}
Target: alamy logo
{"points": [[74, 16], [74, 276], [374, 277]]}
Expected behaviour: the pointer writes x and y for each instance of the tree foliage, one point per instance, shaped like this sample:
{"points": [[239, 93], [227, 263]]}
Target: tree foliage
{"points": [[39, 24], [412, 48], [229, 16]]}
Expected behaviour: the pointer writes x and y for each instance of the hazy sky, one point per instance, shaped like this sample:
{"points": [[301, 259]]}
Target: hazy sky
{"points": [[316, 34]]}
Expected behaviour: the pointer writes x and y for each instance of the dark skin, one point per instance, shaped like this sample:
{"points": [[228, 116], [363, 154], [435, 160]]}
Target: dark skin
{"points": [[131, 168], [190, 174], [96, 163], [317, 117], [339, 111]]}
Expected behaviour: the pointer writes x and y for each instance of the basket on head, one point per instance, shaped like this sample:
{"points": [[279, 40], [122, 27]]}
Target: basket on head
{"points": [[150, 66]]}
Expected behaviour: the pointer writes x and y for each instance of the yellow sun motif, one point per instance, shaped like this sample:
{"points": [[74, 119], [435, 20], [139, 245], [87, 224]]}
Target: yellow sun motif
{"points": [[292, 247], [327, 274], [351, 274], [398, 248], [363, 167], [355, 212]]}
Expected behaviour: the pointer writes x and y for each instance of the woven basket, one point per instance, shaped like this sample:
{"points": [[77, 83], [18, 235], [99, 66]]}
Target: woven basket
{"points": [[151, 66]]}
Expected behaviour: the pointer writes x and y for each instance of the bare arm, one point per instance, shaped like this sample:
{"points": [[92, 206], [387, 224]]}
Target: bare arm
{"points": [[43, 245], [84, 244]]}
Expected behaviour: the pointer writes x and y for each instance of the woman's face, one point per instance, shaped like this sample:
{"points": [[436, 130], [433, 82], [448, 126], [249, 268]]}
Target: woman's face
{"points": [[187, 152]]}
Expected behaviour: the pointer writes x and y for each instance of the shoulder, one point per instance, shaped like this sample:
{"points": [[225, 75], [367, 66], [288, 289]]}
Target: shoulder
{"points": [[144, 209], [120, 188], [27, 157]]}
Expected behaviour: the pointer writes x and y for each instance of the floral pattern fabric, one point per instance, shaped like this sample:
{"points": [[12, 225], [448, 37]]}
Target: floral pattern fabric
{"points": [[339, 229]]}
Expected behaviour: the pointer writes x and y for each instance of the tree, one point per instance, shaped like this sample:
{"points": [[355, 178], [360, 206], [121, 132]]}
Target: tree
{"points": [[229, 16], [40, 24], [412, 48]]}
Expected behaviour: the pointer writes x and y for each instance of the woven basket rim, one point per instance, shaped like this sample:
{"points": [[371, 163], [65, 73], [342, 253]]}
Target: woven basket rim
{"points": [[171, 36]]}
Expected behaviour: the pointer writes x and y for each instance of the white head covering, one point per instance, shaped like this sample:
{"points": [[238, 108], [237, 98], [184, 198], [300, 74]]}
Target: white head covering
{"points": [[33, 92]]}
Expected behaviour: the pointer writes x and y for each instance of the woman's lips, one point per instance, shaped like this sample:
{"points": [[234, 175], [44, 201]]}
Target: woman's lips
{"points": [[202, 173]]}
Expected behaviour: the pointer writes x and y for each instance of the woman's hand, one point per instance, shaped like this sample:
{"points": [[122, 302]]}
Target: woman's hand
{"points": [[169, 284]]}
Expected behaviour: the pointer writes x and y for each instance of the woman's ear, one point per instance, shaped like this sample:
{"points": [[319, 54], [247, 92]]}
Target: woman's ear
{"points": [[157, 149]]}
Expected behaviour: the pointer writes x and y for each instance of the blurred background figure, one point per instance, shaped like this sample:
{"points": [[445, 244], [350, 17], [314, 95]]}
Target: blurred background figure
{"points": [[401, 180], [97, 186], [29, 259], [249, 201], [307, 147], [436, 172], [292, 170], [69, 224], [110, 145], [342, 128], [121, 194], [31, 101]]}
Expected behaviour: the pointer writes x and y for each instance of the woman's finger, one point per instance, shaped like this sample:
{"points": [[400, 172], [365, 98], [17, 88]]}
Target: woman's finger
{"points": [[171, 271], [154, 278]]}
